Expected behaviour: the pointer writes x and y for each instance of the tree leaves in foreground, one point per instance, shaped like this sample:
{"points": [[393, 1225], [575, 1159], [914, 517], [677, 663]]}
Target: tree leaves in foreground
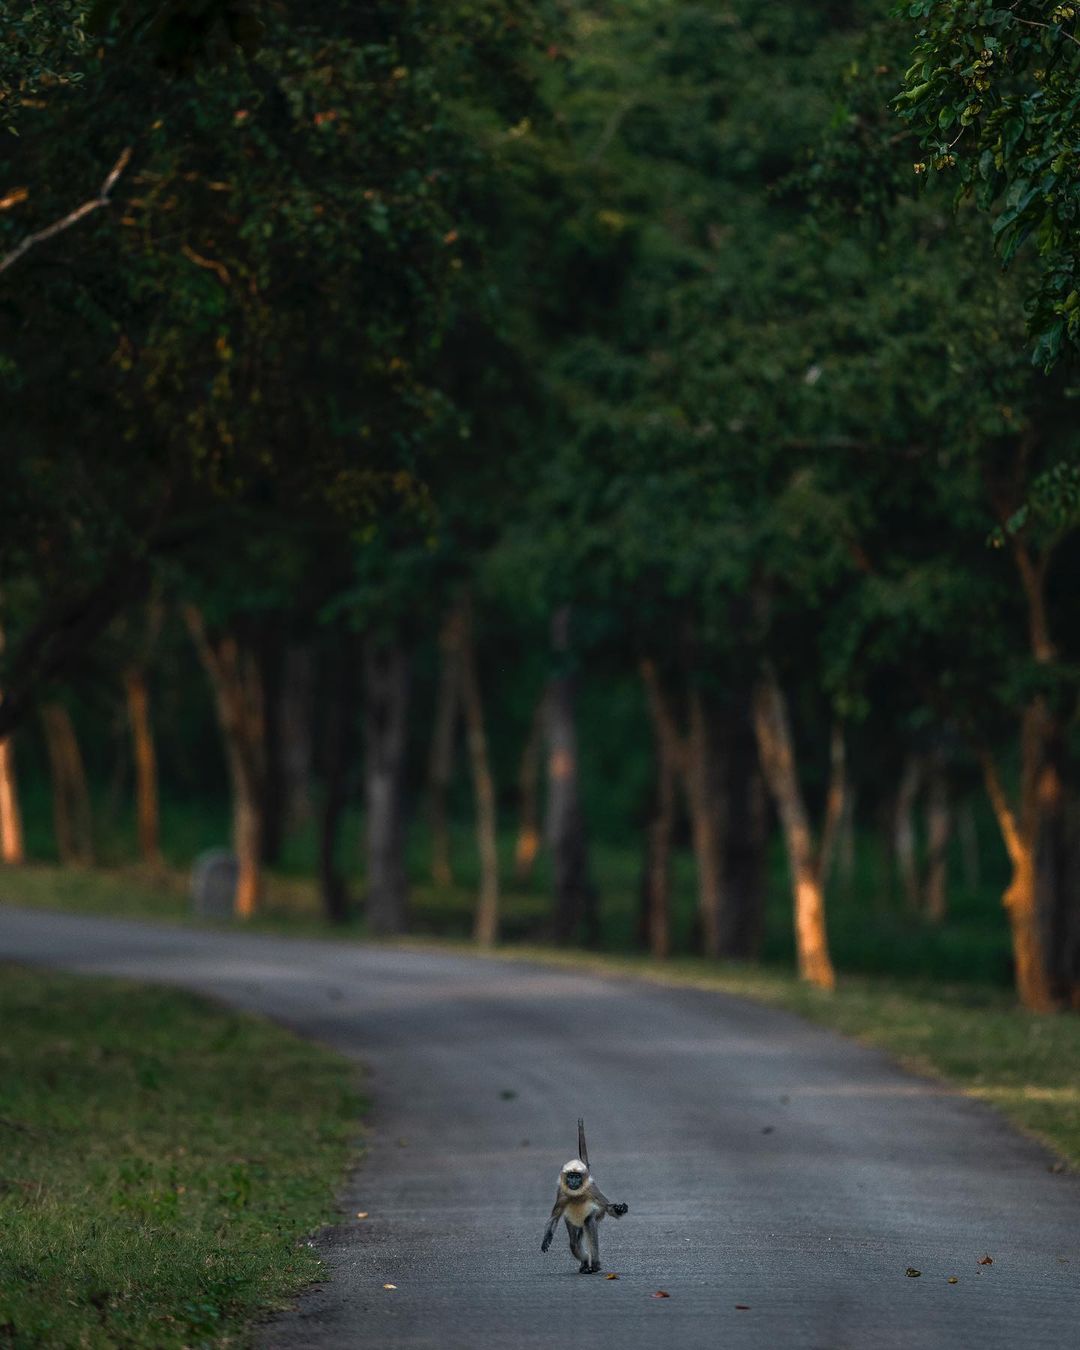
{"points": [[992, 93]]}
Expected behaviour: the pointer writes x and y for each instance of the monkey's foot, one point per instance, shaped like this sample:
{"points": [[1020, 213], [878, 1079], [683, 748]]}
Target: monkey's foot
{"points": [[586, 1269], [594, 1269]]}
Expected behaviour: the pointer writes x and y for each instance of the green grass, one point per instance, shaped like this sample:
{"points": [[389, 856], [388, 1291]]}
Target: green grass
{"points": [[161, 1159]]}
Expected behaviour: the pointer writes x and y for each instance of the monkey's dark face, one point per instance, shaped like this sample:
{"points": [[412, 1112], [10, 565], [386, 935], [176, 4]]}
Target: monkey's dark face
{"points": [[574, 1181]]}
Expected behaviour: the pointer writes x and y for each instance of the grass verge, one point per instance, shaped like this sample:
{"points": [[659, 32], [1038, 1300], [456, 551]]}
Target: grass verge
{"points": [[160, 1160]]}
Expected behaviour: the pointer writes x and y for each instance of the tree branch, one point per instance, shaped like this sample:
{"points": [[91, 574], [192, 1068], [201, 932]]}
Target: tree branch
{"points": [[94, 204]]}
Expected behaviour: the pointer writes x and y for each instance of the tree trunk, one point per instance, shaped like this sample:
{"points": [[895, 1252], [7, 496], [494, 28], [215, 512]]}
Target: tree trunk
{"points": [[656, 882], [72, 816], [272, 800], [938, 835], [705, 801], [527, 846], [386, 679], [1021, 830], [147, 811], [11, 832], [486, 925], [905, 843], [772, 726], [297, 755], [12, 849], [575, 895], [441, 767], [235, 679], [340, 736], [742, 923]]}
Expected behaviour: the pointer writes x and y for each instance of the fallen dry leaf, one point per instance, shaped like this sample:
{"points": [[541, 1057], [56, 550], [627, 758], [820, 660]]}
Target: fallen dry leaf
{"points": [[661, 1293], [953, 1280], [986, 1260], [389, 1286], [611, 1275], [912, 1273], [361, 1213], [742, 1307]]}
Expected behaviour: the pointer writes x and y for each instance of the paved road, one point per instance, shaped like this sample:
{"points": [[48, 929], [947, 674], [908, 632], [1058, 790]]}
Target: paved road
{"points": [[766, 1163]]}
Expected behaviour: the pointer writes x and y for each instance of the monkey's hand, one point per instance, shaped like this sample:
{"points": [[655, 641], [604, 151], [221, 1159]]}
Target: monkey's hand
{"points": [[619, 1210]]}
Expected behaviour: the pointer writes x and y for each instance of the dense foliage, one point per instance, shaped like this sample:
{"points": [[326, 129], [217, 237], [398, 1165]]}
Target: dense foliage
{"points": [[480, 353]]}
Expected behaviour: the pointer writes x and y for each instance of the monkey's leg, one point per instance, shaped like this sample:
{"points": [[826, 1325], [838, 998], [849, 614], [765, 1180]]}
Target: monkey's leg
{"points": [[592, 1247], [576, 1249]]}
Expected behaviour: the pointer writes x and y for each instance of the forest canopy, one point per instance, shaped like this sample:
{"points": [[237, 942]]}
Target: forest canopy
{"points": [[637, 438]]}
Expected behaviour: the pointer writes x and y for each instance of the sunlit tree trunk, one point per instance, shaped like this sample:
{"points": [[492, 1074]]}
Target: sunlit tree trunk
{"points": [[147, 811], [486, 924], [12, 849], [441, 765], [1034, 899], [236, 682], [938, 835], [1022, 828], [575, 894], [386, 681], [808, 864], [72, 815], [527, 845]]}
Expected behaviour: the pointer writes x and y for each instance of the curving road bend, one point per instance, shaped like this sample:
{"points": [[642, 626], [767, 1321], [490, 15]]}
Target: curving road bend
{"points": [[780, 1179]]}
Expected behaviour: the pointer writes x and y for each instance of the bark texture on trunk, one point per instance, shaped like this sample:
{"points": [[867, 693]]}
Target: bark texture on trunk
{"points": [[340, 739], [441, 764], [772, 727], [575, 894], [235, 679], [72, 815], [386, 684], [486, 923], [527, 846], [272, 802], [144, 753]]}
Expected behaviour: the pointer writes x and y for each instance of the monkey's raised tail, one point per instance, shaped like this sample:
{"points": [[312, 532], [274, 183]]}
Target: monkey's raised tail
{"points": [[582, 1150]]}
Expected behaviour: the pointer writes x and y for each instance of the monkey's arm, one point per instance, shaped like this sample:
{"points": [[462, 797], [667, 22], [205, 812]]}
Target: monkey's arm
{"points": [[553, 1222], [616, 1211]]}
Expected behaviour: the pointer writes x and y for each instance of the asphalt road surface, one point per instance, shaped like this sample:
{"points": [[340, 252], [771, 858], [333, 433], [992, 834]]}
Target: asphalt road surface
{"points": [[780, 1179]]}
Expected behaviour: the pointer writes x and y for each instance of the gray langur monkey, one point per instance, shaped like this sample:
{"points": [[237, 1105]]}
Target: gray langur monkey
{"points": [[580, 1202]]}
